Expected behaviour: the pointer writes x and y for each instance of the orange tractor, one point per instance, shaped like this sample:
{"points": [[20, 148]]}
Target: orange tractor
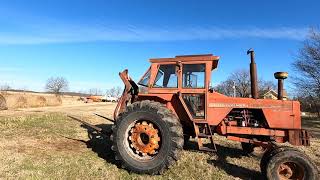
{"points": [[173, 101]]}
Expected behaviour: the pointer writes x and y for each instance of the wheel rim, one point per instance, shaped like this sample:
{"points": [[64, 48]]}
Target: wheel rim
{"points": [[143, 138], [290, 170]]}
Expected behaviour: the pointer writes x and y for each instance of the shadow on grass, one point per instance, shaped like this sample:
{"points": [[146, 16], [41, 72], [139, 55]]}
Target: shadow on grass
{"points": [[232, 169], [100, 143], [221, 162]]}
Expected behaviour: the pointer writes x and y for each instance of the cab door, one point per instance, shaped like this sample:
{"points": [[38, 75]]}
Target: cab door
{"points": [[193, 89]]}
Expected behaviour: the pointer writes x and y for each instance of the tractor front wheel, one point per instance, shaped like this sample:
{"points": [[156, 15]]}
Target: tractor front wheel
{"points": [[147, 138], [288, 163]]}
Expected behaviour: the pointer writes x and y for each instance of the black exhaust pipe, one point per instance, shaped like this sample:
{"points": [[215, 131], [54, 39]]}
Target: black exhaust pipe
{"points": [[253, 75]]}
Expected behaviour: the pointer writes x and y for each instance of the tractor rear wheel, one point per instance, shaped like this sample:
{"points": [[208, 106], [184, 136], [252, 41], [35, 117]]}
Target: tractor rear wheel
{"points": [[147, 138], [289, 163]]}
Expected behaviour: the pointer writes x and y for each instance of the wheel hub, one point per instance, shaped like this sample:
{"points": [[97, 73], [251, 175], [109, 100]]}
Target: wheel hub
{"points": [[144, 138], [290, 170]]}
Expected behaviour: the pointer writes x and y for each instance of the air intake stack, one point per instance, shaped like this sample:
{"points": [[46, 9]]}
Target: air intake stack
{"points": [[281, 76]]}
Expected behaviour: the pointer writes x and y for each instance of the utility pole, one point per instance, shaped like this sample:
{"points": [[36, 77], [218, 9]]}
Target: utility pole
{"points": [[234, 89]]}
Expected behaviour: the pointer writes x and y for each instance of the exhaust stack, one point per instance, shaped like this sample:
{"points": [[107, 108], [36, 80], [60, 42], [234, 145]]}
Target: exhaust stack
{"points": [[253, 75], [281, 76]]}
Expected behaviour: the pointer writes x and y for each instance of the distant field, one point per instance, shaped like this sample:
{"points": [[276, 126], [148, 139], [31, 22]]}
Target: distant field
{"points": [[42, 143]]}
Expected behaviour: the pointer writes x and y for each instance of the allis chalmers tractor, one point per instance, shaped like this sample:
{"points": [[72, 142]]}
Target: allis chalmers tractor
{"points": [[175, 102]]}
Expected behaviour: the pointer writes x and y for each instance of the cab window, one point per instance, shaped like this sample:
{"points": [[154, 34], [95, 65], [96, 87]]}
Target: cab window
{"points": [[193, 75], [145, 79], [166, 77]]}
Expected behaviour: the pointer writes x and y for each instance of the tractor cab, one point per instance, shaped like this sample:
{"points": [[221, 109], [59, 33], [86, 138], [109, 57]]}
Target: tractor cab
{"points": [[181, 72], [186, 75], [189, 76]]}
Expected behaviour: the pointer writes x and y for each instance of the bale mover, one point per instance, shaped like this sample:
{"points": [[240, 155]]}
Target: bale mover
{"points": [[173, 101]]}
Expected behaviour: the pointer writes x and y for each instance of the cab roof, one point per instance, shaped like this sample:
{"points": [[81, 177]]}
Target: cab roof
{"points": [[189, 58]]}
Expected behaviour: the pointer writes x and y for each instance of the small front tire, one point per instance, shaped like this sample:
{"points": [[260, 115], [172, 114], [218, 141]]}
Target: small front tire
{"points": [[290, 164]]}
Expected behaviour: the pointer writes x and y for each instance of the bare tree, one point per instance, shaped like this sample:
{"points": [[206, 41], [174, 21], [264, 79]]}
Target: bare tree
{"points": [[5, 87], [242, 81], [57, 85], [226, 87], [114, 91], [307, 68], [265, 86], [239, 83], [118, 92], [95, 91]]}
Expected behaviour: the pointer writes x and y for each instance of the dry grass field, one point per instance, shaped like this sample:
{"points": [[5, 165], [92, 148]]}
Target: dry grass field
{"points": [[15, 100], [42, 143]]}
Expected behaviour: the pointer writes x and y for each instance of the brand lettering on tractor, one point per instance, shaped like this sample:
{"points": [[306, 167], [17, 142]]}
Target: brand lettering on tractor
{"points": [[224, 105], [234, 105]]}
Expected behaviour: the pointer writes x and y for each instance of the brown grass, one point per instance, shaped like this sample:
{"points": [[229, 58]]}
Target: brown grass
{"points": [[50, 146], [54, 100], [31, 100]]}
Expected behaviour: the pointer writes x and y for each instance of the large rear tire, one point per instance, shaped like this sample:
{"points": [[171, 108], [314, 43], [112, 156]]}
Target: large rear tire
{"points": [[289, 163], [147, 138]]}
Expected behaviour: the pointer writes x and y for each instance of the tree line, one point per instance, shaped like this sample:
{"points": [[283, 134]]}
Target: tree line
{"points": [[58, 85], [238, 84], [307, 77]]}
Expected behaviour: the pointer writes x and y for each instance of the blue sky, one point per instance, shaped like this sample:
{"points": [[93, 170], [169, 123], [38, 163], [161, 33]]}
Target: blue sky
{"points": [[89, 42]]}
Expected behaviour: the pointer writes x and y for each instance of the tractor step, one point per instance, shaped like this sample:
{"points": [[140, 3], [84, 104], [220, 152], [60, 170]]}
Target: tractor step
{"points": [[207, 149], [201, 122], [203, 131], [202, 135]]}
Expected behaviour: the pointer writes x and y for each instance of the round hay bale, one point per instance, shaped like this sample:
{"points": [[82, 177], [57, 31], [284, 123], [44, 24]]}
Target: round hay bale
{"points": [[3, 103], [59, 99], [21, 102], [41, 101]]}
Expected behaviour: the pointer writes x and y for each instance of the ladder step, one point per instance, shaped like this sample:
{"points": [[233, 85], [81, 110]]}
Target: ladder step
{"points": [[201, 122], [202, 135], [206, 149]]}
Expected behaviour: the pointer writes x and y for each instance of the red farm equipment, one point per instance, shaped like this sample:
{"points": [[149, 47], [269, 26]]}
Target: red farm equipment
{"points": [[173, 101]]}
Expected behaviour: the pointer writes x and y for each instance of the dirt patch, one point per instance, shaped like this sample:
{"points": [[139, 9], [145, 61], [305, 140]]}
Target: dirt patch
{"points": [[65, 145], [27, 146], [3, 103]]}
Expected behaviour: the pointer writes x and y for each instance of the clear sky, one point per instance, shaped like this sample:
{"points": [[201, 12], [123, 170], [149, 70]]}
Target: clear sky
{"points": [[89, 42]]}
